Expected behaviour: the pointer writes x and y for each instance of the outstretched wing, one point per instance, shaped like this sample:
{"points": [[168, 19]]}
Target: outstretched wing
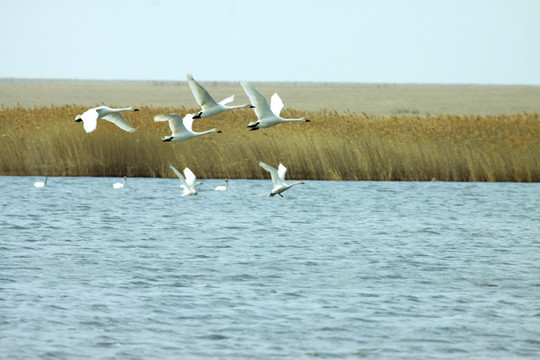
{"points": [[201, 95], [190, 176], [257, 99], [175, 122], [276, 104], [273, 172], [179, 176], [282, 170], [227, 100], [89, 118], [117, 119]]}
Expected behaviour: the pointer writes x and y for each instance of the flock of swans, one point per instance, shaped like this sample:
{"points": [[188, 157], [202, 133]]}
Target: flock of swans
{"points": [[182, 128]]}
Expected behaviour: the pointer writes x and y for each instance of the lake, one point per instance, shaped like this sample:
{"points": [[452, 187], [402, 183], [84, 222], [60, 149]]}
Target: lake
{"points": [[341, 270]]}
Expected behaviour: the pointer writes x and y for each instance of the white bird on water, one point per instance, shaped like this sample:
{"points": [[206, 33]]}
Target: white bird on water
{"points": [[41, 183], [120, 185], [90, 117], [278, 178], [223, 187], [181, 128], [268, 116], [188, 183], [209, 106]]}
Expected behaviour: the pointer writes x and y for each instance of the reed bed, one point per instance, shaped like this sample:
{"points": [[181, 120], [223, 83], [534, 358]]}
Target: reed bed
{"points": [[334, 146]]}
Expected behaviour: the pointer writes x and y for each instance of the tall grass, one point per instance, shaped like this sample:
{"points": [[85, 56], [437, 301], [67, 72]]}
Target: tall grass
{"points": [[334, 146]]}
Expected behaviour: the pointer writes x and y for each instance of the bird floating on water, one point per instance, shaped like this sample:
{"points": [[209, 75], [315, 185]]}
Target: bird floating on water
{"points": [[278, 178], [223, 187], [90, 117], [209, 106], [188, 183], [181, 128], [120, 185], [39, 184], [267, 116]]}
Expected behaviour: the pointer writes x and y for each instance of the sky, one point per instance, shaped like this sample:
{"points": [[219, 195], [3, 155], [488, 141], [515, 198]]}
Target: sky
{"points": [[366, 41]]}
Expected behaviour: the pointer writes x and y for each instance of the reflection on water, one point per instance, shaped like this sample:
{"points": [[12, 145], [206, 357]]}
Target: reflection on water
{"points": [[332, 269]]}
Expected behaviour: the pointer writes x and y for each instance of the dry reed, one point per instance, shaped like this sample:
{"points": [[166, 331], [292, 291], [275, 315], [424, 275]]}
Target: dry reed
{"points": [[334, 146]]}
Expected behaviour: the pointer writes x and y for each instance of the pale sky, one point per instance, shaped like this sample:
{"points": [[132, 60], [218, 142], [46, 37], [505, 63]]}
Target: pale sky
{"points": [[369, 41]]}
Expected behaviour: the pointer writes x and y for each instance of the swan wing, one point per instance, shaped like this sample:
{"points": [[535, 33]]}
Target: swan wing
{"points": [[184, 184], [273, 172], [89, 118], [190, 176], [188, 122], [201, 95], [117, 119], [227, 100], [175, 122], [282, 170], [276, 104], [262, 109]]}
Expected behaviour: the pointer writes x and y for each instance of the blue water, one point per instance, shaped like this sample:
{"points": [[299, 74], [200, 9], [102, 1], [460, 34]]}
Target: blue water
{"points": [[332, 270]]}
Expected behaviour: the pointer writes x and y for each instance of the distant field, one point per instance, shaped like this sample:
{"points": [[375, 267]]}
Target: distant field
{"points": [[376, 99]]}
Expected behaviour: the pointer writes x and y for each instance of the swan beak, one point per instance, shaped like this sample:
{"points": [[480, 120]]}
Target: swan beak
{"points": [[251, 106], [219, 132], [167, 139], [198, 116], [307, 120], [135, 109]]}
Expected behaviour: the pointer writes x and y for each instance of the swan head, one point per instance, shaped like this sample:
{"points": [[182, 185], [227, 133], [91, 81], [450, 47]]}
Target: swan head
{"points": [[219, 132], [307, 120], [78, 118], [168, 138], [198, 116], [249, 106], [133, 108]]}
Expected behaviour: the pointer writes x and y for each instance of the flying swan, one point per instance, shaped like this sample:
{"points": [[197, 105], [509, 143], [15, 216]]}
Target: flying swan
{"points": [[278, 178], [209, 106], [268, 116], [181, 128], [41, 183], [120, 185], [188, 183], [90, 117], [223, 187]]}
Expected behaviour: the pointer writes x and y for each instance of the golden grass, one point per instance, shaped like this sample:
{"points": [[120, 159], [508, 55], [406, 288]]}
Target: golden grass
{"points": [[334, 146]]}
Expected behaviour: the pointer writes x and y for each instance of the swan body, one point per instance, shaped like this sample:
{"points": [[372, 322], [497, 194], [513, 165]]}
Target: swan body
{"points": [[188, 183], [40, 184], [209, 106], [267, 116], [120, 185], [181, 128], [278, 178], [90, 117], [223, 187]]}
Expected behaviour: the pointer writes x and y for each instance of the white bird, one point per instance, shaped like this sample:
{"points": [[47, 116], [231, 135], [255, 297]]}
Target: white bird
{"points": [[268, 116], [41, 183], [209, 106], [90, 117], [278, 178], [120, 185], [181, 128], [188, 183], [223, 187]]}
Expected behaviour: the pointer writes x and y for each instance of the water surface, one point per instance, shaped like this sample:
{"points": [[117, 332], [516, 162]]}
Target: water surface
{"points": [[333, 269]]}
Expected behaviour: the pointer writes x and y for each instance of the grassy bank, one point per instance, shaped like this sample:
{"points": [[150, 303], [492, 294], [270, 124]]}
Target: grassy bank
{"points": [[334, 146]]}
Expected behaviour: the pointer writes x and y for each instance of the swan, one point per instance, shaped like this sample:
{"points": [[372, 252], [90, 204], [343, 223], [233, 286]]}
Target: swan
{"points": [[209, 106], [268, 116], [41, 183], [223, 187], [278, 178], [181, 128], [188, 183], [90, 117], [120, 185]]}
